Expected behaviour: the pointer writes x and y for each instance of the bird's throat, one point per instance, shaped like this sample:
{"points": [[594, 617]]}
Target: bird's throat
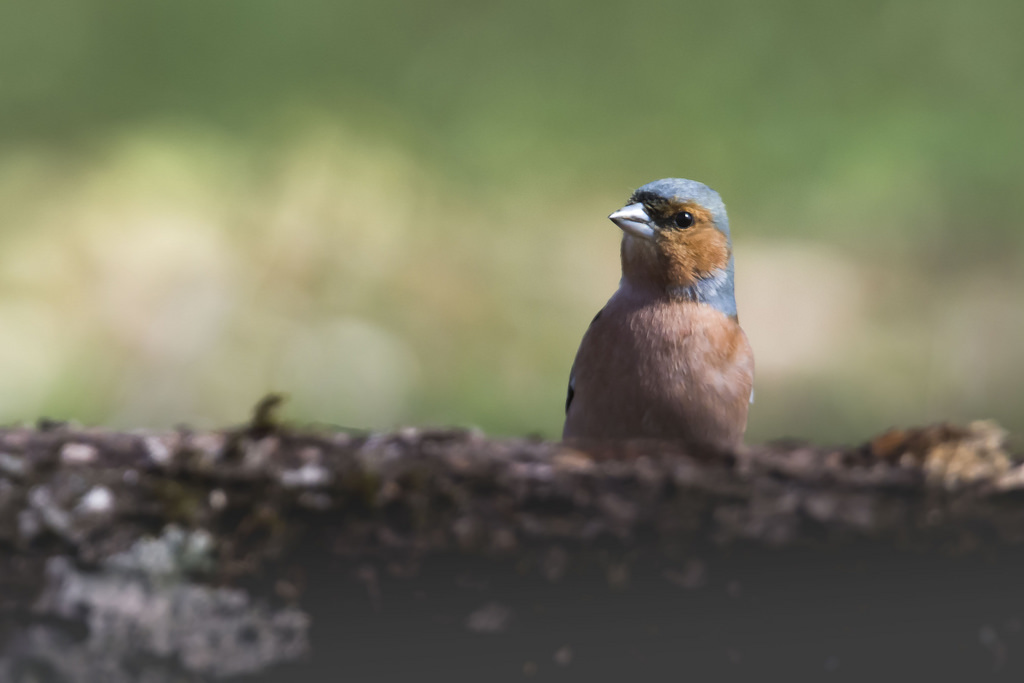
{"points": [[642, 271]]}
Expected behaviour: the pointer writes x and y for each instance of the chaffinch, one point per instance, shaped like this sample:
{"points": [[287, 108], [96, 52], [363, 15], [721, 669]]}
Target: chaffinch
{"points": [[665, 357]]}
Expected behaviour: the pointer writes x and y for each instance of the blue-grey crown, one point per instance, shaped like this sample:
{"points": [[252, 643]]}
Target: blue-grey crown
{"points": [[682, 189]]}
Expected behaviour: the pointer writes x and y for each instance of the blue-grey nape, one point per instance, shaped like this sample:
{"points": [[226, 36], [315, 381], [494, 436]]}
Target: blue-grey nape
{"points": [[683, 190], [717, 291]]}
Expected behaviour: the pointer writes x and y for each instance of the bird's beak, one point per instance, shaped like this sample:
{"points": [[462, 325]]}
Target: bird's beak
{"points": [[634, 221]]}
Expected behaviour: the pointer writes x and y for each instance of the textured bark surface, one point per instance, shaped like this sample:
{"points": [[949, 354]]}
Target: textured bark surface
{"points": [[267, 552]]}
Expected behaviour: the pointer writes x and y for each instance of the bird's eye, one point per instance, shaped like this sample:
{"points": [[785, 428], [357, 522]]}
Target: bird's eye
{"points": [[684, 219]]}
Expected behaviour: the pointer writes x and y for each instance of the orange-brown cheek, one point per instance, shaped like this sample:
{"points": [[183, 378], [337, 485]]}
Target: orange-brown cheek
{"points": [[694, 253], [711, 249]]}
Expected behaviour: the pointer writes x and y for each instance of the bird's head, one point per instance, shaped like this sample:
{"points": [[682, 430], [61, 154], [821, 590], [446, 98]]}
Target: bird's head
{"points": [[676, 237]]}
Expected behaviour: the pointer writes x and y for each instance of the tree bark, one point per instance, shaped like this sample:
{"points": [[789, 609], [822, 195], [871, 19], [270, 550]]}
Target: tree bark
{"points": [[274, 552]]}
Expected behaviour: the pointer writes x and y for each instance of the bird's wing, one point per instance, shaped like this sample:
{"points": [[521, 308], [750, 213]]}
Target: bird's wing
{"points": [[572, 373]]}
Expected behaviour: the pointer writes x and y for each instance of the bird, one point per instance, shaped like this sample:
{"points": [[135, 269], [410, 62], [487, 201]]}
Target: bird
{"points": [[666, 358]]}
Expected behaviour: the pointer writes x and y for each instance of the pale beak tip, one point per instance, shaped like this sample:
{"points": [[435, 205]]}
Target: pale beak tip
{"points": [[633, 219]]}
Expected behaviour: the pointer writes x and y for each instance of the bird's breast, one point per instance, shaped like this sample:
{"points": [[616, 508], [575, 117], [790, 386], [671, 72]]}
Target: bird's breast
{"points": [[662, 368], [683, 346]]}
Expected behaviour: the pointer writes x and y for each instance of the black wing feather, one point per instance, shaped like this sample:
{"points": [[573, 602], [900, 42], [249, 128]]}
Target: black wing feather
{"points": [[572, 379]]}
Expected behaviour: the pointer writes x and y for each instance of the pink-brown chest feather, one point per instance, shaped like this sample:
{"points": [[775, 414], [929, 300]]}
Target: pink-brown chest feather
{"points": [[658, 367]]}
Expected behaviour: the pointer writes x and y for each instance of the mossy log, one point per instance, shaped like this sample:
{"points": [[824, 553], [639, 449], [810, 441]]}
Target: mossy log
{"points": [[269, 552]]}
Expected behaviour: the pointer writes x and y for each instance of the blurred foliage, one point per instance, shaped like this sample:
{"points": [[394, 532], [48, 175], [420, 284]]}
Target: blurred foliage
{"points": [[394, 211]]}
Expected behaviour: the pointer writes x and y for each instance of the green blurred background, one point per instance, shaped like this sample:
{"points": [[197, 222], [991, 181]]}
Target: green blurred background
{"points": [[394, 211]]}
